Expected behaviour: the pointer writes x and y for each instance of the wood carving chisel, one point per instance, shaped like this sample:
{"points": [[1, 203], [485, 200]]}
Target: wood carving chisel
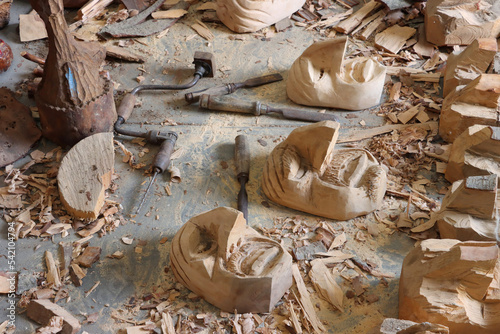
{"points": [[231, 87], [242, 162], [258, 108]]}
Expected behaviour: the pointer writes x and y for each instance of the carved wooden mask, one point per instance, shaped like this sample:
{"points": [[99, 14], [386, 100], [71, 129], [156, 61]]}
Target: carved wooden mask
{"points": [[252, 15], [305, 173], [322, 77], [217, 256]]}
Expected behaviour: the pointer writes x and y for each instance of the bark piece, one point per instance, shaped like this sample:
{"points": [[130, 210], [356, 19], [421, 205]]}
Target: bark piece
{"points": [[325, 284], [85, 174], [248, 16], [218, 257], [42, 310], [322, 77], [31, 27], [398, 326], [452, 283], [89, 256], [460, 22], [463, 67], [73, 99], [356, 18], [475, 152], [392, 39], [469, 209], [138, 26], [305, 174], [18, 130], [5, 12], [476, 103]]}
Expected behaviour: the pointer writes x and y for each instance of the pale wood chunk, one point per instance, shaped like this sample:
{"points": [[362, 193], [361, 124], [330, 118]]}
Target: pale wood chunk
{"points": [[463, 67], [452, 283], [392, 39], [475, 152], [476, 103], [460, 22], [325, 284], [31, 27], [43, 309], [406, 116], [370, 28], [52, 270], [85, 174], [123, 54], [355, 19], [304, 299], [169, 14], [96, 228]]}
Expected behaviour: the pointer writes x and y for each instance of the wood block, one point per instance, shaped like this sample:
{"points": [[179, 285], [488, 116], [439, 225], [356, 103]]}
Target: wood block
{"points": [[452, 283], [476, 103], [463, 67], [475, 152], [85, 174], [392, 39], [461, 22], [76, 274], [43, 309], [89, 256]]}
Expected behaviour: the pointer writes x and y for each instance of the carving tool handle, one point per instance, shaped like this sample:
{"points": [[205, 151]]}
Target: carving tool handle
{"points": [[162, 159], [303, 115], [242, 161], [232, 105], [126, 106]]}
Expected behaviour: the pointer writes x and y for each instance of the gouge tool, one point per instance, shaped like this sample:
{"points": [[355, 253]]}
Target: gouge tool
{"points": [[258, 108], [242, 162], [232, 87]]}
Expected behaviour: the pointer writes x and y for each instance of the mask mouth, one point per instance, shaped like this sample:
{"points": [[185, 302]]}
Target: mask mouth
{"points": [[255, 257]]}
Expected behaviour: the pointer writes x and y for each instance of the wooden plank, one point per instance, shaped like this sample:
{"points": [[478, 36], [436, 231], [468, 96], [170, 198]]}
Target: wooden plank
{"points": [[369, 133], [304, 300]]}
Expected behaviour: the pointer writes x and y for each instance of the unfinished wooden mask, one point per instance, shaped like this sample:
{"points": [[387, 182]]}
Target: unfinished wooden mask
{"points": [[475, 152], [469, 210], [452, 283], [304, 173], [322, 77], [251, 15], [217, 256]]}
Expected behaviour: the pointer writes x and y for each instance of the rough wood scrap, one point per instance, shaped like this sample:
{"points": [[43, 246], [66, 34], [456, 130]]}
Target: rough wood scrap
{"points": [[463, 67], [43, 310], [77, 274], [371, 27], [460, 22], [304, 299], [138, 26], [325, 284], [89, 256], [169, 14], [31, 27], [18, 130], [475, 152], [452, 283], [92, 9], [476, 103], [394, 38], [4, 283], [355, 19], [202, 29], [406, 116], [368, 20], [371, 132], [85, 174], [52, 270], [423, 48], [469, 209]]}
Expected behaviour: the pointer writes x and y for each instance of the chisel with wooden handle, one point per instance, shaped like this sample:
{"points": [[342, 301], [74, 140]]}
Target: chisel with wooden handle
{"points": [[258, 108], [231, 87], [242, 162]]}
